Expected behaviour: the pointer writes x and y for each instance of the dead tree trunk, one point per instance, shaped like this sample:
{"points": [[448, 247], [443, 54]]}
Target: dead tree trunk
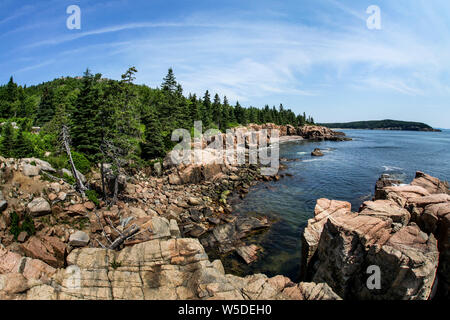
{"points": [[66, 144], [102, 168], [126, 234]]}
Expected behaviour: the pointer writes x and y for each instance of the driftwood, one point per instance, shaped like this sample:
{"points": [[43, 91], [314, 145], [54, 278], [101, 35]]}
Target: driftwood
{"points": [[66, 144], [126, 234]]}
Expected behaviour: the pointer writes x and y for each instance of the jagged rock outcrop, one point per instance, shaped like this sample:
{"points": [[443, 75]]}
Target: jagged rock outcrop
{"points": [[407, 259], [311, 235], [320, 133], [403, 231], [386, 210]]}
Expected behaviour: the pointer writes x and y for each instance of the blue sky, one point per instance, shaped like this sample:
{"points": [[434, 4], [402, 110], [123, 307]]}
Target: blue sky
{"points": [[316, 56]]}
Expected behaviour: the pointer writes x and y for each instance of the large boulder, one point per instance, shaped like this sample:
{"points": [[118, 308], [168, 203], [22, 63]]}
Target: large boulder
{"points": [[39, 207], [386, 210], [324, 209], [48, 249], [431, 184], [11, 262], [30, 170], [159, 269], [79, 239], [320, 133], [349, 244], [401, 194], [40, 164]]}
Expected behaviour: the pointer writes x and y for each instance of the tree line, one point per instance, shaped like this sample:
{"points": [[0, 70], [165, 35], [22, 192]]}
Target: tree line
{"points": [[110, 120]]}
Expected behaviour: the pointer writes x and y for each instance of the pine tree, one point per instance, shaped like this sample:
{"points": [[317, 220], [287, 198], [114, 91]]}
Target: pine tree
{"points": [[206, 109], [241, 114], [86, 124], [153, 145], [23, 147], [169, 82], [217, 111], [7, 141], [194, 108], [225, 115], [46, 109]]}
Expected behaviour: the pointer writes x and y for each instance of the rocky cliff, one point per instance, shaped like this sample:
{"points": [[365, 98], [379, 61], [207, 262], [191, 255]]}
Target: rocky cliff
{"points": [[404, 232]]}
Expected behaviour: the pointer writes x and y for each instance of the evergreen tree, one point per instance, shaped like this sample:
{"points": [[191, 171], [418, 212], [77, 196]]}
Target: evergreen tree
{"points": [[86, 124], [169, 82], [217, 111], [206, 110], [23, 147], [7, 141], [241, 114], [194, 108], [153, 145], [46, 109]]}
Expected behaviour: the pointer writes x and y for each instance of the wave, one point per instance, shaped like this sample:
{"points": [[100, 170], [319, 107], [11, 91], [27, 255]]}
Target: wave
{"points": [[302, 153], [392, 168]]}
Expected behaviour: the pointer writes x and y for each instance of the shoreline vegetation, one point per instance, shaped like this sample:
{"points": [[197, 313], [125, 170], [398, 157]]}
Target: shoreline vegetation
{"points": [[382, 125]]}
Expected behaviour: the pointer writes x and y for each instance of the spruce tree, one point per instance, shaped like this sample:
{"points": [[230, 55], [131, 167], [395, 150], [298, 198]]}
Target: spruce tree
{"points": [[23, 147], [206, 109], [7, 141], [217, 111], [86, 124], [46, 109], [153, 145]]}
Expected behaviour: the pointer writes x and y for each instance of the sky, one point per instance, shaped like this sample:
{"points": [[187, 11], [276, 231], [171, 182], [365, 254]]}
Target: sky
{"points": [[313, 56]]}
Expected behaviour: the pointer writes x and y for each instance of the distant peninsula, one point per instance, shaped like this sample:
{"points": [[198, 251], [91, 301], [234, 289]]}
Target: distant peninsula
{"points": [[382, 125]]}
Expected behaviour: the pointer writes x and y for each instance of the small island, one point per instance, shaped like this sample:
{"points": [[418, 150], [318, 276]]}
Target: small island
{"points": [[383, 125]]}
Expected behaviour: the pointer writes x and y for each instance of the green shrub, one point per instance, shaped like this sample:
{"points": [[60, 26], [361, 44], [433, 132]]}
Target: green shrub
{"points": [[57, 162], [81, 162], [92, 196], [69, 179], [15, 228], [27, 225]]}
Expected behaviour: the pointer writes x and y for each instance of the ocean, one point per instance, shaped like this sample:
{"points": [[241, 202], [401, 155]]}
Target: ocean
{"points": [[347, 171]]}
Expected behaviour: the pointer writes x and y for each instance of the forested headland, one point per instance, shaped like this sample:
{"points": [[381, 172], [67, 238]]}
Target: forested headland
{"points": [[382, 125]]}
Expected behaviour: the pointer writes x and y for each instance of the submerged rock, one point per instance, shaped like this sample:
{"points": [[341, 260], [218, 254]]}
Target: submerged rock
{"points": [[317, 153]]}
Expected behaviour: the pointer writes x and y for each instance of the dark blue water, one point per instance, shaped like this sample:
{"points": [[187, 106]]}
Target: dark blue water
{"points": [[348, 171]]}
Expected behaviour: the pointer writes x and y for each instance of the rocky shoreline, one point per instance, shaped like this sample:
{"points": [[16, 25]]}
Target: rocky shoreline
{"points": [[179, 211], [404, 231]]}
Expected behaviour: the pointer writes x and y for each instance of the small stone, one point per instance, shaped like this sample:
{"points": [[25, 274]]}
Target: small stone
{"points": [[22, 237], [89, 205], [194, 201], [52, 197], [62, 196], [79, 239]]}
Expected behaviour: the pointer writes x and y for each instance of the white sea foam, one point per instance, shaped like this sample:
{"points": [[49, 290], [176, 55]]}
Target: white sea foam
{"points": [[391, 168]]}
